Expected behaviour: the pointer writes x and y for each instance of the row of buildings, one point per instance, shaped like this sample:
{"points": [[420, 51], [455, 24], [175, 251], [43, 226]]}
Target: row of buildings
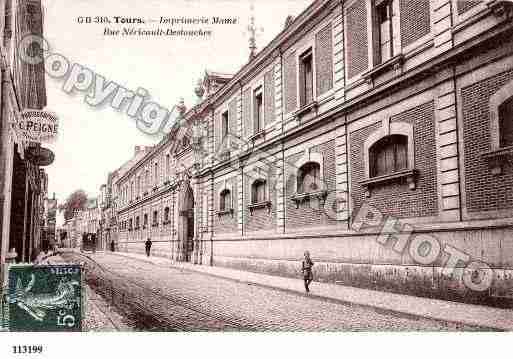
{"points": [[400, 109], [23, 181]]}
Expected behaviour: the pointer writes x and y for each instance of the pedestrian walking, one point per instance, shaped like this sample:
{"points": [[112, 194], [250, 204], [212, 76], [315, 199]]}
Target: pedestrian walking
{"points": [[148, 247], [307, 270], [112, 246]]}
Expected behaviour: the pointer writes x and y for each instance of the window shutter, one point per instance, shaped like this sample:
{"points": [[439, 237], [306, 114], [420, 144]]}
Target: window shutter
{"points": [[246, 113], [357, 40], [415, 20], [290, 72], [324, 60], [269, 97]]}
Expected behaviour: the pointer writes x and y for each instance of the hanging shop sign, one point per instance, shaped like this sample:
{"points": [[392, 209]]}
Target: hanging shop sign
{"points": [[37, 126], [40, 156]]}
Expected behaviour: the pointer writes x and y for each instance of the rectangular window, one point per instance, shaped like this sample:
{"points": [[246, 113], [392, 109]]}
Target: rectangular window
{"points": [[306, 78], [258, 118], [385, 31], [224, 125]]}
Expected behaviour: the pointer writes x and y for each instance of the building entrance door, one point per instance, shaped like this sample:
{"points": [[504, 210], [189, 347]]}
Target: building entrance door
{"points": [[186, 222]]}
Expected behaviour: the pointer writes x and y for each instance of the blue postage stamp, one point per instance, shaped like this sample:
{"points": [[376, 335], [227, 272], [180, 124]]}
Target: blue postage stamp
{"points": [[45, 298]]}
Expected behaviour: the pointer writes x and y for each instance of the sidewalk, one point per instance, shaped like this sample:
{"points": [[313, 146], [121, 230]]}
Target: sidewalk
{"points": [[483, 316]]}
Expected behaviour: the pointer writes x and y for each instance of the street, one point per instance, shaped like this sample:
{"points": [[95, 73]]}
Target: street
{"points": [[162, 298]]}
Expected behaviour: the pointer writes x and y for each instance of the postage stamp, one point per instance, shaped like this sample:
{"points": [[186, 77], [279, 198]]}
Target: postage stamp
{"points": [[45, 298]]}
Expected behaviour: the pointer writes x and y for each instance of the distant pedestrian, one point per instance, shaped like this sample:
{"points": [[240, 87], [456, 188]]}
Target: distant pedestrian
{"points": [[306, 267], [112, 246], [148, 247]]}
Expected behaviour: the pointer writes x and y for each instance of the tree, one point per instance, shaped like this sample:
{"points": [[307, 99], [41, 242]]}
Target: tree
{"points": [[76, 201]]}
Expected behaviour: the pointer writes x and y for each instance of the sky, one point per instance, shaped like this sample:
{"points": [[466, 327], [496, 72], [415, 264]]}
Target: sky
{"points": [[94, 141]]}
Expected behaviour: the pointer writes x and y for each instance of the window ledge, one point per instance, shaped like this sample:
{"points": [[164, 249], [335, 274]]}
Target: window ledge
{"points": [[312, 106], [225, 212], [395, 62], [498, 158], [265, 204], [256, 136], [306, 196], [410, 176]]}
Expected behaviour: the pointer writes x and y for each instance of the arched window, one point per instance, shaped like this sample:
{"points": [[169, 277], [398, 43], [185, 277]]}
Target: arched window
{"points": [[259, 191], [145, 221], [388, 155], [130, 224], [166, 215], [137, 222], [225, 200], [309, 178], [506, 123]]}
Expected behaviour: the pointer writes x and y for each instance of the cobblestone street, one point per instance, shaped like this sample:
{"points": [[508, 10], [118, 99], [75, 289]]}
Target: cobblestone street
{"points": [[176, 299]]}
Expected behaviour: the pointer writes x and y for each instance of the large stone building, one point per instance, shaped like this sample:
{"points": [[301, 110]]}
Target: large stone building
{"points": [[378, 135]]}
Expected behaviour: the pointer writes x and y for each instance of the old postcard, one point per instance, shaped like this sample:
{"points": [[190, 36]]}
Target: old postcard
{"points": [[254, 166]]}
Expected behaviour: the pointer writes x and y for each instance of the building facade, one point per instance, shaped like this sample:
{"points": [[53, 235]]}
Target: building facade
{"points": [[377, 135], [23, 183]]}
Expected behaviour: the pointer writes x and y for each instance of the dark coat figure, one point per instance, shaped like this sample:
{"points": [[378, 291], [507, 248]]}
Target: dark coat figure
{"points": [[112, 246], [306, 268], [148, 246]]}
